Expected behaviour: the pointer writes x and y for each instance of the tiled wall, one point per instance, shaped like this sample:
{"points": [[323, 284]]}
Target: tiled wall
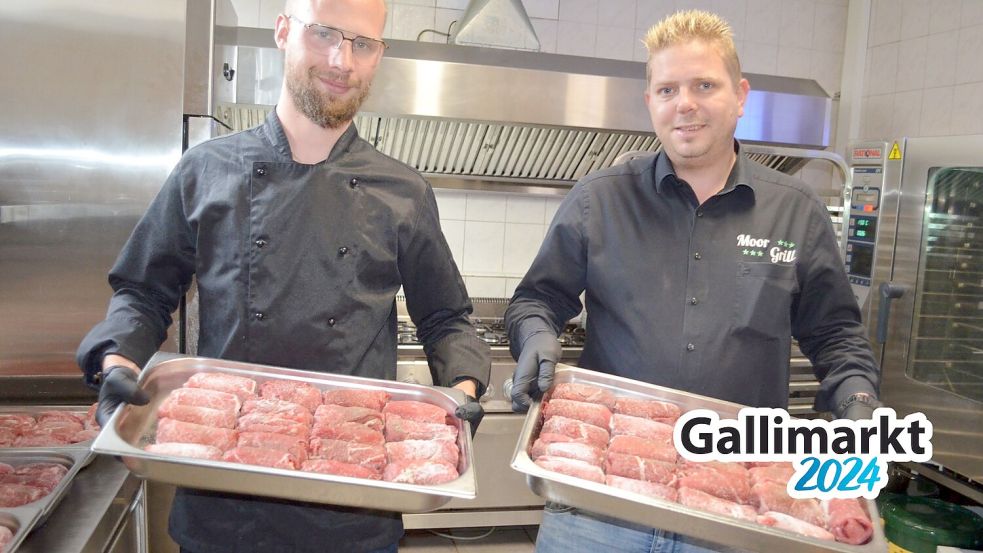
{"points": [[924, 74]]}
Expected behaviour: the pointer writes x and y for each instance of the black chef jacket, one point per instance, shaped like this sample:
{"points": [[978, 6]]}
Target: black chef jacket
{"points": [[701, 298], [297, 266]]}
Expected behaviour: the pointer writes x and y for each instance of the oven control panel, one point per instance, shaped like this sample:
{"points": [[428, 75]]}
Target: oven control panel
{"points": [[861, 228]]}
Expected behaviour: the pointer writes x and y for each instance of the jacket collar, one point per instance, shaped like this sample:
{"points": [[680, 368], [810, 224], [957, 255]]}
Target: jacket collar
{"points": [[272, 130]]}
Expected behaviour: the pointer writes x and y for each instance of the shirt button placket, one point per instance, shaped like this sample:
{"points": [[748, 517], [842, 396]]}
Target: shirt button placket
{"points": [[691, 347]]}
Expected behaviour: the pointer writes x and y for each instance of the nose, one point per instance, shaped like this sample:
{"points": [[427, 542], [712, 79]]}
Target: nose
{"points": [[685, 101], [341, 57]]}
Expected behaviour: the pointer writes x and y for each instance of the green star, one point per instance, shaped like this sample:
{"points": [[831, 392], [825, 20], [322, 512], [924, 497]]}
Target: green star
{"points": [[781, 242], [760, 253], [790, 244], [744, 252]]}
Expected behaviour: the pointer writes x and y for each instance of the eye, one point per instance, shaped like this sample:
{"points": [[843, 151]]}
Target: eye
{"points": [[706, 85], [665, 91], [361, 44], [322, 34]]}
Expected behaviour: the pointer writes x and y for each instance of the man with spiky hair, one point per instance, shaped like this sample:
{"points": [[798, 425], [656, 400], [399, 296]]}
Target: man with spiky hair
{"points": [[299, 235], [699, 265]]}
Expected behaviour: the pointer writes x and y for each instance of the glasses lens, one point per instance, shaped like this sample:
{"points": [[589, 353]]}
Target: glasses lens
{"points": [[366, 48], [324, 39]]}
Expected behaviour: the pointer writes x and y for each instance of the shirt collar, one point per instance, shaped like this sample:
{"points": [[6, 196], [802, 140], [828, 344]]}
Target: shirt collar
{"points": [[740, 174], [273, 129]]}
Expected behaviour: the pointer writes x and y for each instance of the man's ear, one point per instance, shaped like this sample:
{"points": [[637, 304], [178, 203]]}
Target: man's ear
{"points": [[281, 29]]}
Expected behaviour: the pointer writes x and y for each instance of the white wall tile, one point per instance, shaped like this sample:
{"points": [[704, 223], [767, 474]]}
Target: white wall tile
{"points": [[878, 119], [442, 22], [936, 111], [552, 204], [427, 3], [794, 62], [940, 65], [616, 13], [485, 287], [544, 9], [452, 204], [885, 23], [578, 11], [945, 16], [409, 20], [576, 39], [760, 58], [454, 234], [798, 19], [968, 98], [972, 13], [523, 208], [453, 4], [225, 13], [268, 10], [969, 55], [247, 12], [649, 12], [734, 13], [483, 206], [522, 242], [827, 70], [484, 244], [915, 15], [883, 73], [829, 28], [387, 33], [615, 43], [510, 285], [546, 33], [907, 114], [763, 22], [639, 51], [911, 64]]}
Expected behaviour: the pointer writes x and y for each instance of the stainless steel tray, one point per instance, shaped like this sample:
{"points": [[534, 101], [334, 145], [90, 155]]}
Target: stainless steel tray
{"points": [[26, 517], [640, 509], [133, 427], [34, 410]]}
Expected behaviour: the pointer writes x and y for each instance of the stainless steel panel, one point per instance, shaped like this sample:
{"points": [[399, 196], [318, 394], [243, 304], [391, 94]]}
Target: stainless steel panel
{"points": [[92, 128], [605, 500], [133, 427]]}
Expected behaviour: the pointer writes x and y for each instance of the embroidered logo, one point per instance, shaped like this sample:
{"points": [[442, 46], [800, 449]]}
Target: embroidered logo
{"points": [[782, 252]]}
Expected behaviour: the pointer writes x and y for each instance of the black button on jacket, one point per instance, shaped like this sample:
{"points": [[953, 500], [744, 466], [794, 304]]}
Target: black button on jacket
{"points": [[261, 234]]}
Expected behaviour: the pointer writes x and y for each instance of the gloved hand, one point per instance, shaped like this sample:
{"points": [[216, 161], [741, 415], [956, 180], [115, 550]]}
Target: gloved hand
{"points": [[534, 371], [472, 411], [119, 386], [859, 406]]}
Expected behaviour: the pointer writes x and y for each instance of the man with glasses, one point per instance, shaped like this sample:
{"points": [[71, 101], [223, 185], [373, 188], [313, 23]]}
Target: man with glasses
{"points": [[299, 235]]}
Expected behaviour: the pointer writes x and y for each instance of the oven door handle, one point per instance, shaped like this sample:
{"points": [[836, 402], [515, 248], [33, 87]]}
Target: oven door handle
{"points": [[889, 291]]}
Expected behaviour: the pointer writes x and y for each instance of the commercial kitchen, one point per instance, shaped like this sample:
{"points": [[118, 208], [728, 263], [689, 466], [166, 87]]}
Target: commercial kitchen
{"points": [[876, 104]]}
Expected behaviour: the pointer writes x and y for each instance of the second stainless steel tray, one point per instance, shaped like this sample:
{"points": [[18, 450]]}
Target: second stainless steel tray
{"points": [[640, 509], [133, 427]]}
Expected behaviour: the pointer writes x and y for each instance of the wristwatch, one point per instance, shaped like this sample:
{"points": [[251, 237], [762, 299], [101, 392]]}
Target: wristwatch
{"points": [[859, 397]]}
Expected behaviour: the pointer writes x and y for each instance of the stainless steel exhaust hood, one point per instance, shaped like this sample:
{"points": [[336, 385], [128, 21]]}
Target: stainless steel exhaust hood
{"points": [[498, 24], [483, 118]]}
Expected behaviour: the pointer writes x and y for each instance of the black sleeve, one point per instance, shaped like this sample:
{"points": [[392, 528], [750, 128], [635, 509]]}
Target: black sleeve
{"points": [[438, 303], [549, 294], [826, 321], [152, 272]]}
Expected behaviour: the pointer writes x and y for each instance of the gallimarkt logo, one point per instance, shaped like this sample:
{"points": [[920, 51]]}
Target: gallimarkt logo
{"points": [[832, 459], [782, 252]]}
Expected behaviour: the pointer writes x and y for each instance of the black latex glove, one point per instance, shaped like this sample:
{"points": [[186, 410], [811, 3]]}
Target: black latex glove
{"points": [[534, 371], [471, 411], [119, 386]]}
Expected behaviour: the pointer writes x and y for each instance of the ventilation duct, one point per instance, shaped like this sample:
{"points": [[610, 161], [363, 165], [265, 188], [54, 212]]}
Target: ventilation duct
{"points": [[496, 23]]}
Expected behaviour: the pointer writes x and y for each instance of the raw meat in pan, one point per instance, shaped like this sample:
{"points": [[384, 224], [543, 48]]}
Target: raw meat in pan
{"points": [[273, 458], [5, 469], [424, 450], [198, 415], [647, 408], [42, 440], [244, 388], [628, 425], [372, 456], [85, 435], [706, 502], [717, 483], [735, 470], [417, 411], [200, 397], [570, 450], [8, 435], [774, 473], [792, 524], [45, 476], [330, 413], [772, 496], [90, 416], [584, 392], [591, 413], [348, 431], [16, 420], [261, 422], [45, 416], [60, 431], [301, 393], [424, 473], [337, 468], [293, 445], [399, 429], [15, 495], [651, 449], [280, 409], [6, 536], [194, 451], [847, 520], [576, 430], [170, 430], [373, 399], [572, 467], [640, 468], [651, 489]]}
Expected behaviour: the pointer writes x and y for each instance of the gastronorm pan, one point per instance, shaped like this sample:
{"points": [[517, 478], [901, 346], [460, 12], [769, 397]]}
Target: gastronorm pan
{"points": [[133, 427], [640, 509], [26, 517]]}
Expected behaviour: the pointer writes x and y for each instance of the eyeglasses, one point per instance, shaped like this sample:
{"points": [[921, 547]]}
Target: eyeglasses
{"points": [[325, 40]]}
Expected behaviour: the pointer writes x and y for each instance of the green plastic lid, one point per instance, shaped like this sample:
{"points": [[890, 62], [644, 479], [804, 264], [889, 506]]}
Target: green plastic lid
{"points": [[921, 524]]}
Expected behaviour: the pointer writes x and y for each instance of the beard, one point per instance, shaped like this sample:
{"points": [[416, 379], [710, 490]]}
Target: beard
{"points": [[323, 108]]}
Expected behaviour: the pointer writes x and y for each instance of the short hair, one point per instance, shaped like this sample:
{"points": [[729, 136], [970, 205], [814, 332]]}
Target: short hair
{"points": [[685, 26]]}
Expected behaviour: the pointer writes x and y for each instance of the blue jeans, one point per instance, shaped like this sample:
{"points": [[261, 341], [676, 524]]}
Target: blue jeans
{"points": [[394, 548], [568, 530]]}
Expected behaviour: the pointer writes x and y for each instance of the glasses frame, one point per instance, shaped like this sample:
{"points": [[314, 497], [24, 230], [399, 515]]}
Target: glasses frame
{"points": [[345, 35]]}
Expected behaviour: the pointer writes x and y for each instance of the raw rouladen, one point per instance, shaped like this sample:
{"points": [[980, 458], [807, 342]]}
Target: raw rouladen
{"points": [[591, 413], [29, 482], [792, 524], [847, 520], [48, 428], [300, 393], [584, 392], [6, 536], [422, 472]]}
